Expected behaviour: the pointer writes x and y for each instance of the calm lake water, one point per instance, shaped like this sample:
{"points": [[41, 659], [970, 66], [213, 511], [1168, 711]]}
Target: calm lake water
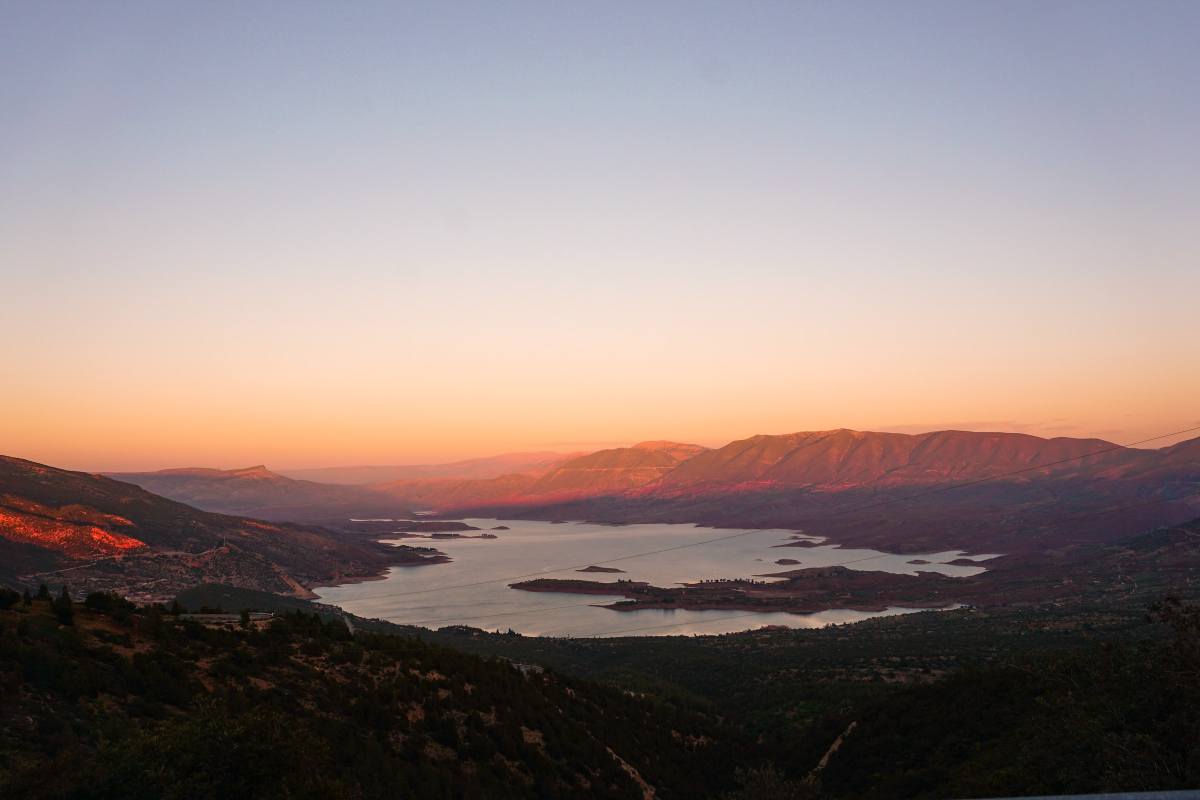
{"points": [[423, 595]]}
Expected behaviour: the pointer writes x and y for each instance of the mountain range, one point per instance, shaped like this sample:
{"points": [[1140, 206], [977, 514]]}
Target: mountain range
{"points": [[1011, 491], [831, 479], [827, 461], [843, 459], [260, 492]]}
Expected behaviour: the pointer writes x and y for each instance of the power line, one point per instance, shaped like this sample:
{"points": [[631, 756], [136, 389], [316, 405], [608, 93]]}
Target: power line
{"points": [[741, 534]]}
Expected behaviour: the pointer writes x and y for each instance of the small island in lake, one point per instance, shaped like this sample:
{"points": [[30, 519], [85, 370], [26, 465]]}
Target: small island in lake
{"points": [[432, 525], [594, 568], [801, 591], [419, 556]]}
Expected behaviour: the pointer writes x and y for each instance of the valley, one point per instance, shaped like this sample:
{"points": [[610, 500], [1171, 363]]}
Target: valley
{"points": [[615, 401], [1042, 503]]}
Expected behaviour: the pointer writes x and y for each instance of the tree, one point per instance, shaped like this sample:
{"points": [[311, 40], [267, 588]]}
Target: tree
{"points": [[245, 618], [8, 598], [110, 603], [43, 592], [152, 622], [27, 598], [64, 608]]}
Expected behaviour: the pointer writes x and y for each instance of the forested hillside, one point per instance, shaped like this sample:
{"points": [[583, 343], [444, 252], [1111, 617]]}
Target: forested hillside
{"points": [[104, 700], [107, 701]]}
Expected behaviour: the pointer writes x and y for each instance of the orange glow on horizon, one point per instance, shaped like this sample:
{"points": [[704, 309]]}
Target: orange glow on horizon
{"points": [[415, 235]]}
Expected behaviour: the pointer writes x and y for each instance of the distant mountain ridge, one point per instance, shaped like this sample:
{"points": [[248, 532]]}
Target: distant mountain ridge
{"points": [[784, 480], [616, 470], [602, 472], [258, 492], [845, 459], [826, 461], [870, 489], [469, 469]]}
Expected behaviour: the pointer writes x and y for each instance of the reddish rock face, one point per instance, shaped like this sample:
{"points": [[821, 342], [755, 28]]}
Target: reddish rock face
{"points": [[72, 530]]}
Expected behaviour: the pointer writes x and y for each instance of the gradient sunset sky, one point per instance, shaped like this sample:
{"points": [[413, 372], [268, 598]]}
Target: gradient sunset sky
{"points": [[309, 234]]}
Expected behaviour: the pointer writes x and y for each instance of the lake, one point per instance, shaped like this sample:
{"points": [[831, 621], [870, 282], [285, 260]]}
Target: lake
{"points": [[433, 596]]}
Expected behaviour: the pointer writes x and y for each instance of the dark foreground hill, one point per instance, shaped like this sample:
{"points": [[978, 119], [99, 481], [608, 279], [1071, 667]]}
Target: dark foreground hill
{"points": [[124, 703], [1103, 719], [107, 701]]}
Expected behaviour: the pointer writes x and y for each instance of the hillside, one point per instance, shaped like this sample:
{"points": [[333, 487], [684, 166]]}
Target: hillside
{"points": [[843, 459], [1011, 492], [99, 533], [614, 471], [136, 704], [1099, 719], [449, 494]]}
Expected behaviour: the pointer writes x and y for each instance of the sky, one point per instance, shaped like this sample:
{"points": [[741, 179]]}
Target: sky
{"points": [[308, 234]]}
